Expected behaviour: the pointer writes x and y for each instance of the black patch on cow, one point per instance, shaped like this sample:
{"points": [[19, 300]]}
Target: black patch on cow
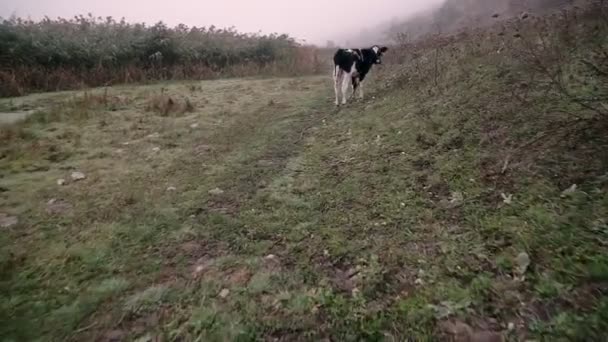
{"points": [[364, 59], [345, 59]]}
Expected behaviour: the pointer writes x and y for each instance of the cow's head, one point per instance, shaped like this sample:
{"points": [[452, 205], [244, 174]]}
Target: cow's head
{"points": [[379, 51]]}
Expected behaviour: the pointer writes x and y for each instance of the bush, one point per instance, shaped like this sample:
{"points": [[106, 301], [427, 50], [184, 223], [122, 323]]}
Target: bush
{"points": [[54, 54]]}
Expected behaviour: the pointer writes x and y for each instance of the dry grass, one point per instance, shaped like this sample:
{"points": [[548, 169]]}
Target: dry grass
{"points": [[19, 81], [165, 105]]}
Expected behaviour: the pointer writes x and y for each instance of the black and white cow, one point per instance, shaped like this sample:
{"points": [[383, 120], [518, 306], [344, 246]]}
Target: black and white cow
{"points": [[351, 66]]}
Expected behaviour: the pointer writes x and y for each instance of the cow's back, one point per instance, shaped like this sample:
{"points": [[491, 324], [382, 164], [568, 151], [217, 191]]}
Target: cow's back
{"points": [[345, 59]]}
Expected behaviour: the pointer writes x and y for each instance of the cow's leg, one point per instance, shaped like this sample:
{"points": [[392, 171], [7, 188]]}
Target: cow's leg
{"points": [[346, 79], [356, 85], [337, 78], [360, 86]]}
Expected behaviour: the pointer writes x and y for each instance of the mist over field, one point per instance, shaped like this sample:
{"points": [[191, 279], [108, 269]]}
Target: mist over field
{"points": [[314, 21], [318, 22]]}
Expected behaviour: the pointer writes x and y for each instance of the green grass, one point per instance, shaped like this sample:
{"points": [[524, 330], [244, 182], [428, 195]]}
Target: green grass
{"points": [[379, 221]]}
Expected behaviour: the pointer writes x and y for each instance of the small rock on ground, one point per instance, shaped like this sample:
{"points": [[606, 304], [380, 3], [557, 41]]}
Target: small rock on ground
{"points": [[457, 329], [115, 336], [462, 332], [7, 221], [61, 182], [55, 206], [216, 191], [171, 188], [569, 191], [523, 261], [77, 175], [224, 293], [145, 338], [457, 198], [156, 149], [486, 336]]}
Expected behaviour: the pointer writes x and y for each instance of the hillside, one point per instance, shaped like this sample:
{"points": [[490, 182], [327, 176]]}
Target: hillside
{"points": [[466, 199], [451, 16]]}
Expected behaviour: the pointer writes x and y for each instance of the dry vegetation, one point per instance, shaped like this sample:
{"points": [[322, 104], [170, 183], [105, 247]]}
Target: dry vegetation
{"points": [[455, 15], [87, 51], [465, 200]]}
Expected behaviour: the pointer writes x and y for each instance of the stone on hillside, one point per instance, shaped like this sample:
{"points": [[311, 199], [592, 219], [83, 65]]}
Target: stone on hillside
{"points": [[457, 198], [459, 330], [57, 207], [569, 191], [507, 199], [523, 261], [77, 175], [216, 191], [486, 336], [7, 221], [115, 336]]}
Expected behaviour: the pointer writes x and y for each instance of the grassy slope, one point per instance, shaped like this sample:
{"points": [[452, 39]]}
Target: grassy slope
{"points": [[383, 220]]}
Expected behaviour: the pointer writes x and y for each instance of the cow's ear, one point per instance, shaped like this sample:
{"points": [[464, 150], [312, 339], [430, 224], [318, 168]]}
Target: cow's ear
{"points": [[383, 49]]}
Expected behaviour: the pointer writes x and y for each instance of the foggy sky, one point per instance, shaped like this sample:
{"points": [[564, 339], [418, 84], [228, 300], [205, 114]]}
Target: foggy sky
{"points": [[313, 20]]}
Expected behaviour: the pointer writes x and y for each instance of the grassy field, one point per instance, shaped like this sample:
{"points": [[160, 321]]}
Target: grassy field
{"points": [[252, 209]]}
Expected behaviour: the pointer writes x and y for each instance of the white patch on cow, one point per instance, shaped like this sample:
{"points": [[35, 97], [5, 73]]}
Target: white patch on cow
{"points": [[361, 89], [347, 79], [376, 49]]}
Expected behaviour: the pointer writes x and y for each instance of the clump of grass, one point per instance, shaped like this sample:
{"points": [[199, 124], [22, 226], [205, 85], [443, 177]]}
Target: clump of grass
{"points": [[103, 101], [78, 108], [166, 105], [12, 132], [147, 299], [68, 316], [188, 105]]}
